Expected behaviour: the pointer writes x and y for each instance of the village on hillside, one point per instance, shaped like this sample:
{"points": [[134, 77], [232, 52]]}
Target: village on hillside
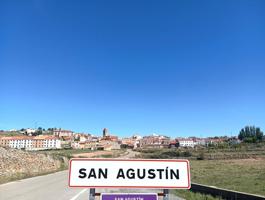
{"points": [[41, 139]]}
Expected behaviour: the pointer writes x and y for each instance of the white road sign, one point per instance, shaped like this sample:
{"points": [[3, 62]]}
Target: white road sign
{"points": [[121, 173]]}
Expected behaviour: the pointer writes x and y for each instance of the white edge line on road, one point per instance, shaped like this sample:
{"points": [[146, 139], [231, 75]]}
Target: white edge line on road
{"points": [[77, 195]]}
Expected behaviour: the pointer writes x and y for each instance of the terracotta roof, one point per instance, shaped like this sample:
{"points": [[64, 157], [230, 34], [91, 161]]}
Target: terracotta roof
{"points": [[16, 138], [40, 137], [45, 137]]}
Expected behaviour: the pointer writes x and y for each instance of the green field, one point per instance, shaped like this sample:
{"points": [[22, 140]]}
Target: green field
{"points": [[65, 152], [69, 153], [241, 169], [243, 151], [245, 175], [12, 133], [186, 194]]}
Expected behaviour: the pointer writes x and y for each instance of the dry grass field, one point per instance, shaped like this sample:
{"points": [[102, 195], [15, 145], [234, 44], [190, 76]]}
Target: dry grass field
{"points": [[222, 168], [245, 175]]}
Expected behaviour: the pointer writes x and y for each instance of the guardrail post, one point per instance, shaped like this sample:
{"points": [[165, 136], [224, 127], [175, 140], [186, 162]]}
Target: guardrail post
{"points": [[166, 194], [92, 193]]}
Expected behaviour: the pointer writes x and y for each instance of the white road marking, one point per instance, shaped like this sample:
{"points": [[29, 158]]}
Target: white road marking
{"points": [[77, 195]]}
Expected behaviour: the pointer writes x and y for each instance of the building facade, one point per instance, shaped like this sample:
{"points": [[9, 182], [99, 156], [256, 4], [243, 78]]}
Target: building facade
{"points": [[31, 143], [155, 141], [185, 142], [63, 133]]}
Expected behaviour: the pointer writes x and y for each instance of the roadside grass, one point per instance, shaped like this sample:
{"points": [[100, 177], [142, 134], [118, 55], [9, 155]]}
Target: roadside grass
{"points": [[163, 153], [203, 154], [189, 195], [68, 153], [114, 154], [240, 169], [245, 175], [106, 156]]}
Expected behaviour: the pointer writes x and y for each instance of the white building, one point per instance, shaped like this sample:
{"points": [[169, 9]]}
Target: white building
{"points": [[46, 142], [200, 141], [31, 143], [23, 142], [29, 131], [137, 137], [63, 133], [75, 145], [185, 142]]}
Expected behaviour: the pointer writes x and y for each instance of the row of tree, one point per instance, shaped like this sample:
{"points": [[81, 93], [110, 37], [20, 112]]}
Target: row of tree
{"points": [[251, 134], [40, 131]]}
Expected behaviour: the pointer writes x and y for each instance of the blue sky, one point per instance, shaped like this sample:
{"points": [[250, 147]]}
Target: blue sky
{"points": [[179, 68]]}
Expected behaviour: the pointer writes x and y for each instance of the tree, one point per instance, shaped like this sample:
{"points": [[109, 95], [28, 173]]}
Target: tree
{"points": [[242, 134], [38, 132], [250, 134], [259, 134]]}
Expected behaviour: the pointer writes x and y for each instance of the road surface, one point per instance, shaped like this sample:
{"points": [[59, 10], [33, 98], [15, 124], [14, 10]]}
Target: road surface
{"points": [[54, 187]]}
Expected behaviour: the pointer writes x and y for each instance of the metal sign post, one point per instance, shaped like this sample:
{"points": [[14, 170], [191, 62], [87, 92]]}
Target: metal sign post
{"points": [[92, 193], [166, 194]]}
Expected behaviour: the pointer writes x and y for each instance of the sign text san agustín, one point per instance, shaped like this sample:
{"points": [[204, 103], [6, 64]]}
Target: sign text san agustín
{"points": [[120, 173]]}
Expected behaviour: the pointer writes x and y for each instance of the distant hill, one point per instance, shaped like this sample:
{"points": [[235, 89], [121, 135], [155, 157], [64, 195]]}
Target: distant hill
{"points": [[10, 133]]}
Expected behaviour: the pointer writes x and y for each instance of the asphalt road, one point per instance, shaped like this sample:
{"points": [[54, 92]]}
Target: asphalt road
{"points": [[54, 187]]}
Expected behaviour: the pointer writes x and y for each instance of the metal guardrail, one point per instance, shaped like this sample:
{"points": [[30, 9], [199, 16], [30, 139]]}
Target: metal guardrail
{"points": [[224, 193]]}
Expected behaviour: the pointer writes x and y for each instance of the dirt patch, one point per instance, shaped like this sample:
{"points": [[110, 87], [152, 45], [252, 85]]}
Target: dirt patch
{"points": [[92, 154]]}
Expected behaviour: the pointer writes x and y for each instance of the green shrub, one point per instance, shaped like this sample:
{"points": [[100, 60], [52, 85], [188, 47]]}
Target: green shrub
{"points": [[201, 156], [187, 153], [170, 154]]}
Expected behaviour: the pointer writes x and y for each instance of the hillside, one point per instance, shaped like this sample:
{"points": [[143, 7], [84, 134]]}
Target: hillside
{"points": [[17, 164]]}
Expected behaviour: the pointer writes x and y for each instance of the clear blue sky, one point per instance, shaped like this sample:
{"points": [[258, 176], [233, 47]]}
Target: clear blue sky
{"points": [[179, 68]]}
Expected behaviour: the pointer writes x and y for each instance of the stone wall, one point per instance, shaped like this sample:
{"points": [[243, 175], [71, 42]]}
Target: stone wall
{"points": [[16, 164]]}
